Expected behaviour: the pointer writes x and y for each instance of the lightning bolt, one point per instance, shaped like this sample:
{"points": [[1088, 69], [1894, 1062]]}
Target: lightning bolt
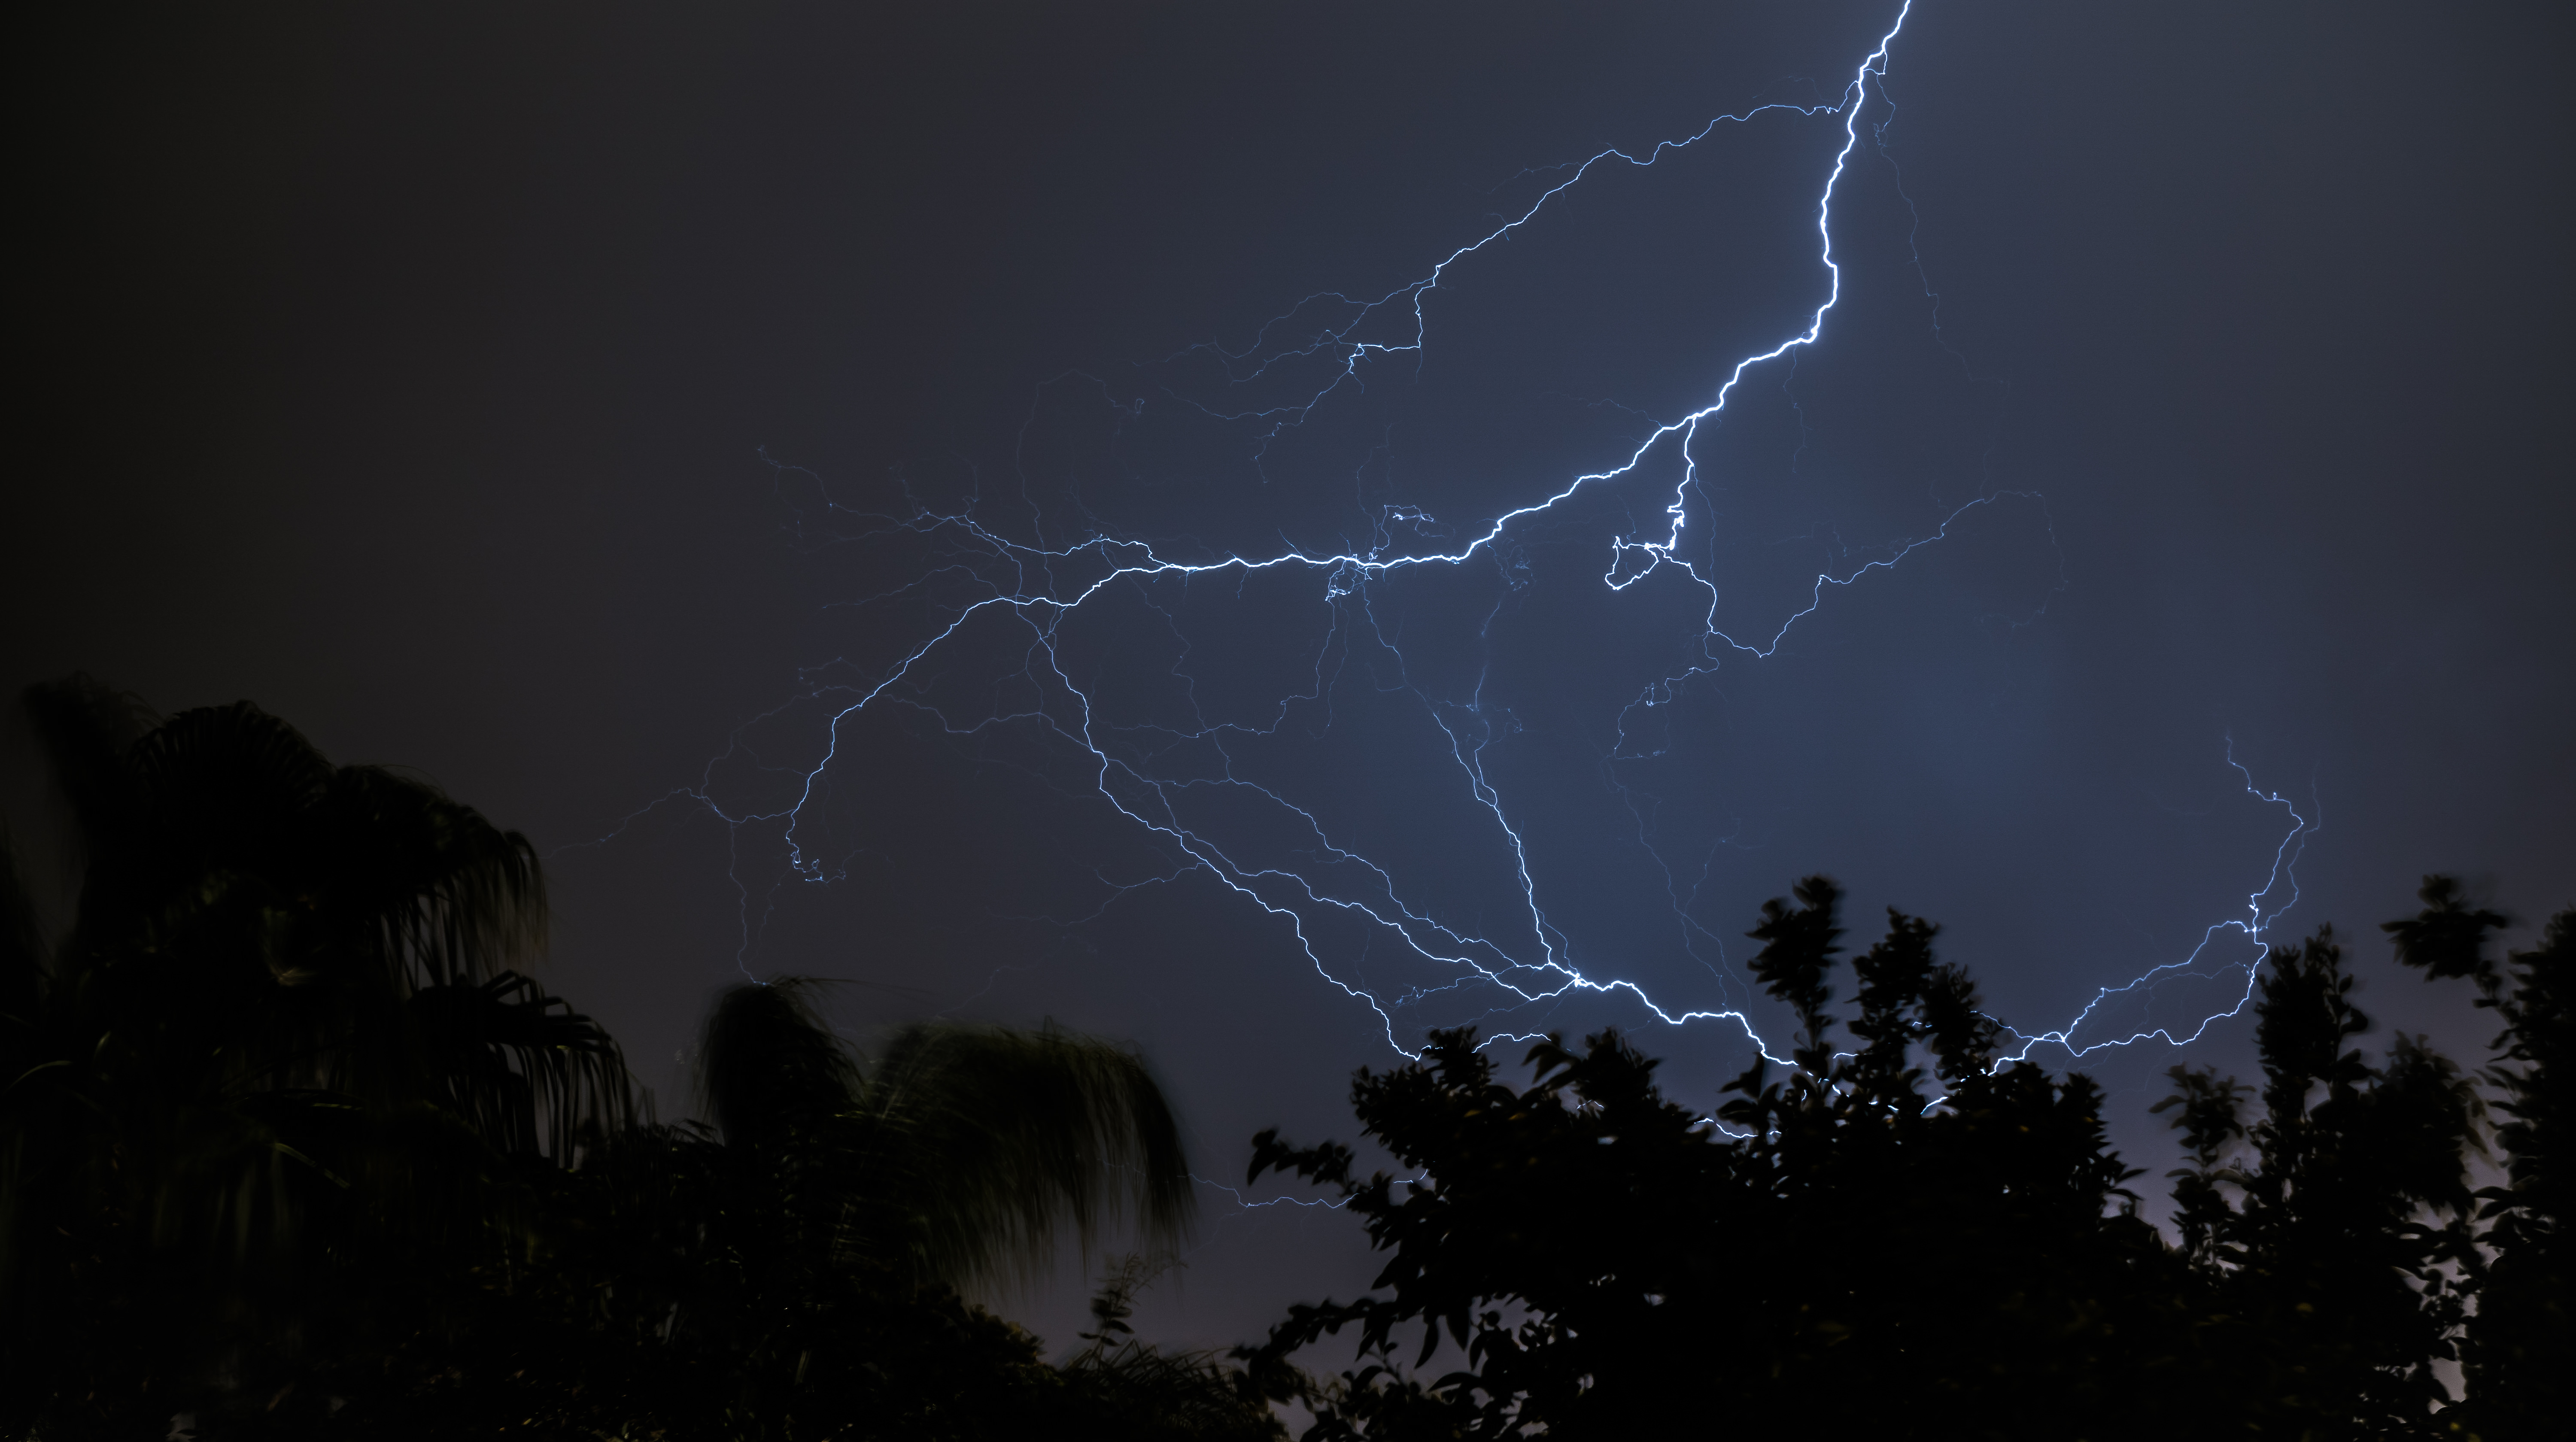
{"points": [[993, 584]]}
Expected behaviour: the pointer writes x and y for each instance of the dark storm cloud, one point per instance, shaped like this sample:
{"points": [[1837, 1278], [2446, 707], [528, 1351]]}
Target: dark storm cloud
{"points": [[413, 374]]}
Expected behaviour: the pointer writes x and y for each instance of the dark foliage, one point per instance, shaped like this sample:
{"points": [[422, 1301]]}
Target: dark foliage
{"points": [[292, 1143], [2520, 1350], [2337, 1251], [278, 1093], [291, 1147], [1616, 1265], [1902, 1238]]}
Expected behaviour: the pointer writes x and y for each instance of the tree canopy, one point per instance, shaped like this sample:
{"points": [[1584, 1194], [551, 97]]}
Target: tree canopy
{"points": [[294, 1144], [1899, 1236]]}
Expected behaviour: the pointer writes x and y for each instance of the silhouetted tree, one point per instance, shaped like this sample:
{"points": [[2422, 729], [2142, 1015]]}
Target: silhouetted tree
{"points": [[959, 1152], [2340, 1249], [1902, 1236], [280, 1085], [288, 1139], [1856, 1258], [788, 1273], [1121, 1388], [2521, 1344], [291, 1145], [765, 1258]]}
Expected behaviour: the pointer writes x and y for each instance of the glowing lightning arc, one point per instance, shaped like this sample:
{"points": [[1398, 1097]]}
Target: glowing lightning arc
{"points": [[1046, 585]]}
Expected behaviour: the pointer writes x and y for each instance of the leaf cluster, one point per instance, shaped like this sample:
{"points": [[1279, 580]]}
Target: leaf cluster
{"points": [[1609, 1263], [1902, 1234], [282, 1052], [292, 1144]]}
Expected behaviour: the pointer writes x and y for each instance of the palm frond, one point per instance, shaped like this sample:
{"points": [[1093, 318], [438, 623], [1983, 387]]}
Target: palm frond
{"points": [[456, 897], [770, 1067], [520, 1067], [224, 785], [992, 1137], [284, 1054], [256, 924]]}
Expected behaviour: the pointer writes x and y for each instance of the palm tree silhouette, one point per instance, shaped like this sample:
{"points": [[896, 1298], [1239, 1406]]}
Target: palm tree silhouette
{"points": [[800, 1257], [281, 1100], [952, 1159], [282, 1056]]}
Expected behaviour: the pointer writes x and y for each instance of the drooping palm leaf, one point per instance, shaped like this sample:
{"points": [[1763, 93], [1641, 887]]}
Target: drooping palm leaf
{"points": [[257, 894], [284, 1080], [958, 1156], [769, 1066], [456, 898], [992, 1138], [526, 1072], [289, 997]]}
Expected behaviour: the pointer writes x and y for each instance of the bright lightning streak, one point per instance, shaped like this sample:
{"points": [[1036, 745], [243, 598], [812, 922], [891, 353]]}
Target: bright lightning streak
{"points": [[1034, 588], [2259, 916]]}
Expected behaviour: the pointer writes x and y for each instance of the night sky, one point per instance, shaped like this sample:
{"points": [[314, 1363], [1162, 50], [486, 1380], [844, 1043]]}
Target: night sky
{"points": [[587, 406]]}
